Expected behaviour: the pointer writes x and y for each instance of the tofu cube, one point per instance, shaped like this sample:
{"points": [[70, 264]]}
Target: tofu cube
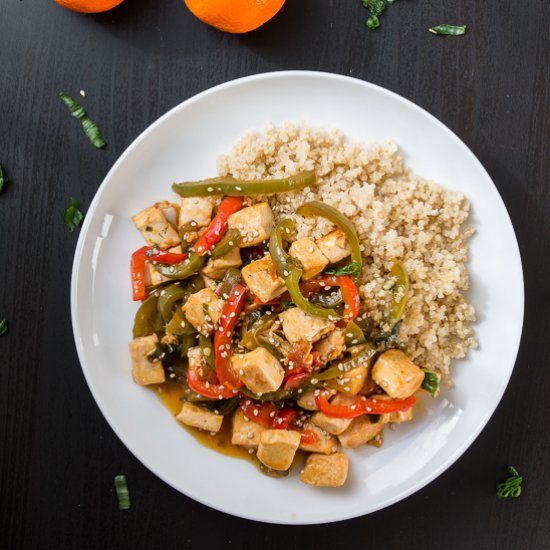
{"points": [[145, 372], [259, 370], [277, 448], [332, 425], [152, 276], [334, 246], [325, 470], [254, 223], [261, 278], [325, 442], [195, 357], [191, 415], [298, 326], [195, 212], [396, 374], [203, 309], [360, 431], [215, 269], [351, 382], [155, 228], [311, 257], [331, 346], [395, 417], [245, 432]]}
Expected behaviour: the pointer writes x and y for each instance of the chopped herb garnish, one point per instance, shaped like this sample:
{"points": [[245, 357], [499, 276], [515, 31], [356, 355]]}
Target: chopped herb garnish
{"points": [[375, 7], [3, 179], [511, 487], [430, 382], [3, 326], [89, 127], [285, 304], [122, 492], [449, 30], [73, 216], [350, 269]]}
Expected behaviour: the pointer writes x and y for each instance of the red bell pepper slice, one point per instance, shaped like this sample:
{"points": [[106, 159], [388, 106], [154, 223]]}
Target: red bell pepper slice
{"points": [[261, 413], [222, 337], [137, 267], [208, 389], [218, 226], [296, 379], [362, 405]]}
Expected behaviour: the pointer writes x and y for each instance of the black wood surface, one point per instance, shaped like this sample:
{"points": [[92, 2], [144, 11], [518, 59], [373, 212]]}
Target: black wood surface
{"points": [[58, 456]]}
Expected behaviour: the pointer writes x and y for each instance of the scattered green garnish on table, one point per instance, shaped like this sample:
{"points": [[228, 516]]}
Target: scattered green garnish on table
{"points": [[3, 179], [89, 127], [511, 487], [73, 216], [3, 326], [449, 30], [122, 492], [354, 268], [375, 7]]}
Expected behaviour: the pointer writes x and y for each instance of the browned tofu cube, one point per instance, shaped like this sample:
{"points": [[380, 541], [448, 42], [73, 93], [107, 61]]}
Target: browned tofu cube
{"points": [[191, 415], [396, 374], [261, 278], [332, 345], [245, 432], [215, 269], [254, 223], [277, 448], [155, 228], [360, 431], [325, 470], [351, 382], [310, 256], [145, 372], [299, 326], [330, 424], [259, 370], [203, 309], [195, 212], [325, 442], [334, 246]]}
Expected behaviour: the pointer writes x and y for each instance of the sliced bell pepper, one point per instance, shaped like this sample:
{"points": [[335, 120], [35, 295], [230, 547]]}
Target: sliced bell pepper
{"points": [[218, 226], [222, 338], [296, 379], [183, 269], [226, 185], [362, 405], [341, 367], [229, 241], [137, 267], [207, 389]]}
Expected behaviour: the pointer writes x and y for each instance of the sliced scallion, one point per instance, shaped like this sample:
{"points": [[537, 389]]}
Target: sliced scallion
{"points": [[449, 30], [89, 127], [122, 492]]}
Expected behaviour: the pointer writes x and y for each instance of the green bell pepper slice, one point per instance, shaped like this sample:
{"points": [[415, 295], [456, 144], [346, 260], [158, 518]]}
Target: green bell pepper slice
{"points": [[148, 320], [183, 270], [229, 241]]}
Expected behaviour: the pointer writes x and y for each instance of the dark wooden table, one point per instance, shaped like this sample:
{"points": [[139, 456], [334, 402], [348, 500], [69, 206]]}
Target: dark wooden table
{"points": [[57, 453]]}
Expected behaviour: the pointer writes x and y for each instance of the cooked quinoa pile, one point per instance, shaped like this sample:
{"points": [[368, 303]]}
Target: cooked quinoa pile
{"points": [[397, 215]]}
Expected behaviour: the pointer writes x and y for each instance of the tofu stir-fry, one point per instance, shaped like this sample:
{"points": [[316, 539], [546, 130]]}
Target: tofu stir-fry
{"points": [[264, 331]]}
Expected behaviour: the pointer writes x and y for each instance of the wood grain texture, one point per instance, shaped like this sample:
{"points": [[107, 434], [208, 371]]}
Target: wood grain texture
{"points": [[58, 456]]}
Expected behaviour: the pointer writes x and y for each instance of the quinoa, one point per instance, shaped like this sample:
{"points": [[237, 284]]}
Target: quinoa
{"points": [[397, 215]]}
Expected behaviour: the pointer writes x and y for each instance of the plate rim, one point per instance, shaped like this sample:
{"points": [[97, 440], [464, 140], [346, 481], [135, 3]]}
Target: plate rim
{"points": [[77, 264]]}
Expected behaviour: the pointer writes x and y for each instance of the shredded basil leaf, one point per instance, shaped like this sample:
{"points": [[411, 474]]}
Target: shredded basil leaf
{"points": [[122, 492], [354, 268], [430, 382], [3, 179], [3, 326], [449, 30], [89, 127], [73, 216], [511, 487]]}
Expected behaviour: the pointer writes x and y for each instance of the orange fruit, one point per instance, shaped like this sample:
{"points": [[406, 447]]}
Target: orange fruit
{"points": [[89, 6], [235, 16]]}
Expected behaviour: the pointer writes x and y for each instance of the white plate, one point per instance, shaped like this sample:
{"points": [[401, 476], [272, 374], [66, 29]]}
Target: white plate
{"points": [[184, 144]]}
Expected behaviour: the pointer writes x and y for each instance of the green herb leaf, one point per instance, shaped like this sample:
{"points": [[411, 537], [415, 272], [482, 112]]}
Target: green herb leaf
{"points": [[375, 7], [511, 487], [122, 492], [3, 326], [449, 30], [285, 304], [73, 216], [3, 179], [354, 268], [430, 382], [89, 127]]}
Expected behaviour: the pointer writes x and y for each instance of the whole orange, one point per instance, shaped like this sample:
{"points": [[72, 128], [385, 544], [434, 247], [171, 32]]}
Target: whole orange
{"points": [[89, 6], [236, 16]]}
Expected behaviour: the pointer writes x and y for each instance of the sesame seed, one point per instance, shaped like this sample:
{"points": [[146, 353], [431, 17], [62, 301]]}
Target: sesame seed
{"points": [[210, 189]]}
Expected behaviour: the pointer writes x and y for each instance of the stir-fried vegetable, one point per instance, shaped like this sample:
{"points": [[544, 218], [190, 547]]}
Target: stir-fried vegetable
{"points": [[230, 279], [362, 405], [182, 270], [342, 367], [148, 320], [237, 188], [430, 383], [207, 389], [231, 239]]}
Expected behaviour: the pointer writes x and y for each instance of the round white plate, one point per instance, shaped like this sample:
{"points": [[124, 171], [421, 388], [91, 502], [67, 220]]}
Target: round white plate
{"points": [[183, 145]]}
